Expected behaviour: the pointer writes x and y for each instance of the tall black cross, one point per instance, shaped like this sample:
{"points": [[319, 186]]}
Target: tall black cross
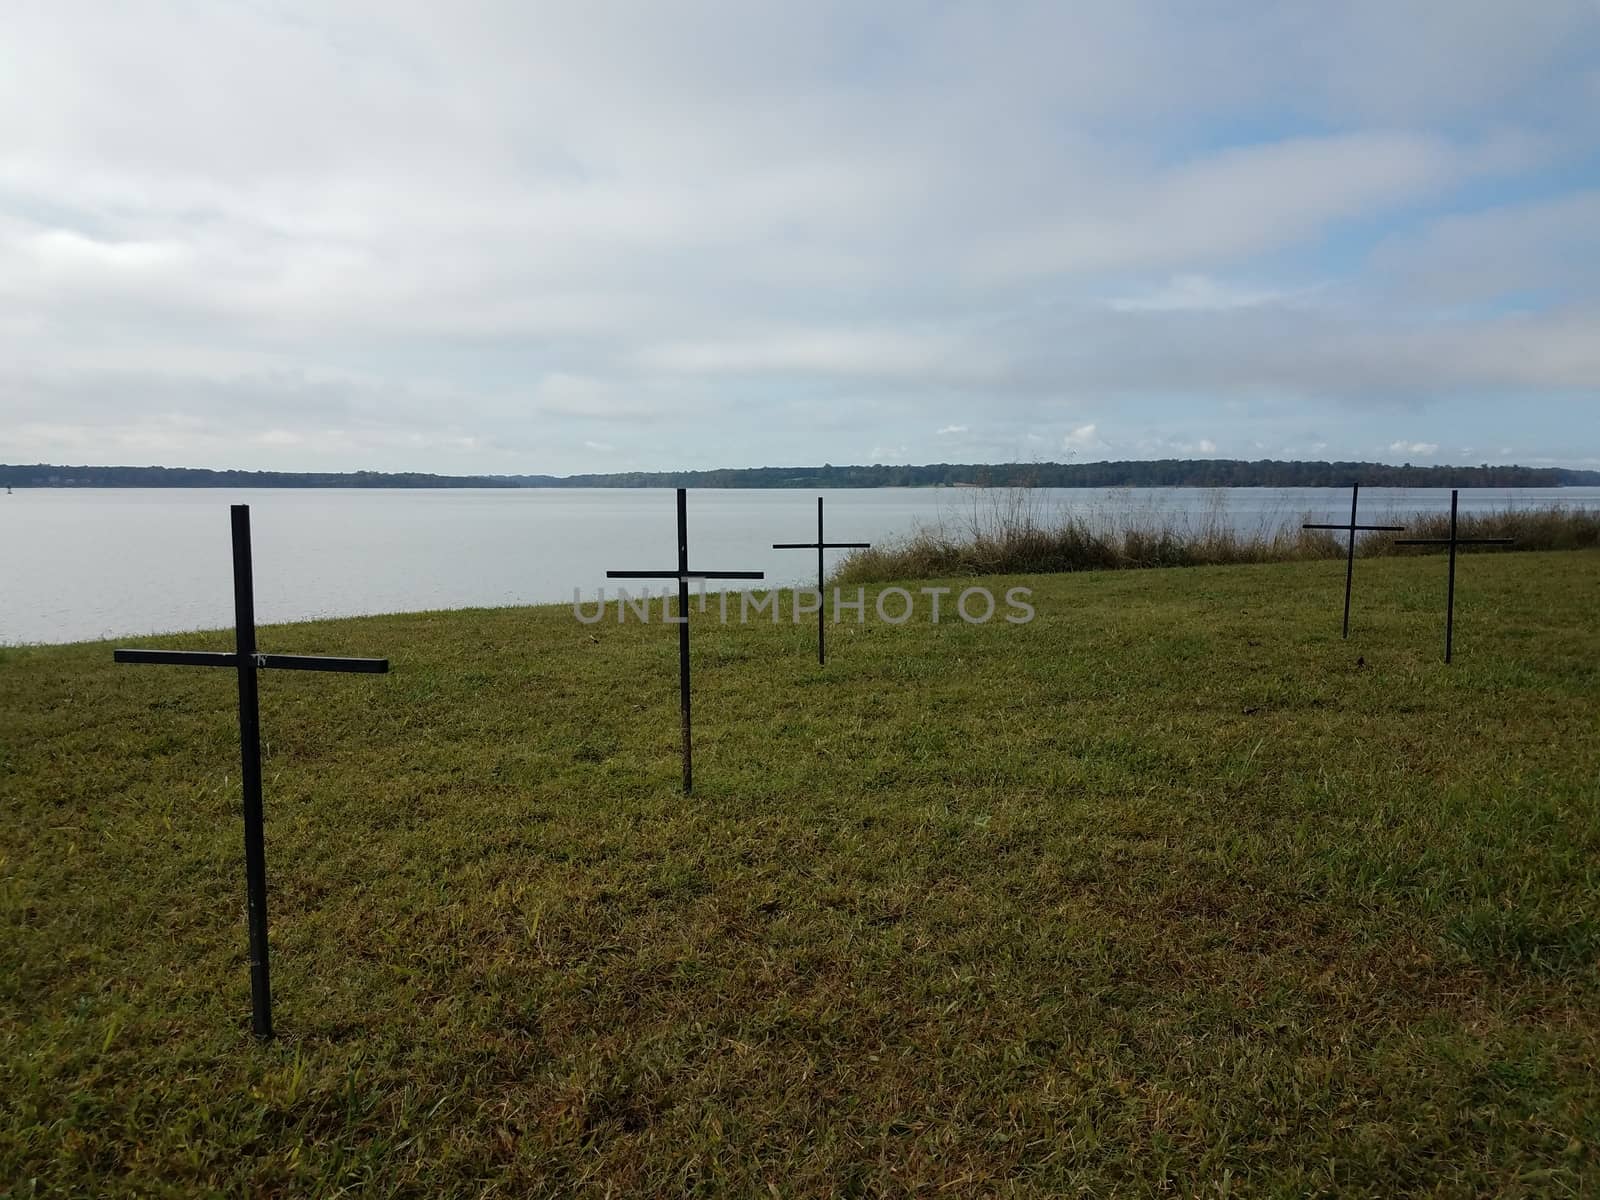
{"points": [[1350, 557], [247, 661], [683, 575], [1455, 539], [819, 546]]}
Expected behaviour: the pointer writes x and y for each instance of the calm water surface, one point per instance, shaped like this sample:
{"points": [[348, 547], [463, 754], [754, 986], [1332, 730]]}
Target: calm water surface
{"points": [[111, 562]]}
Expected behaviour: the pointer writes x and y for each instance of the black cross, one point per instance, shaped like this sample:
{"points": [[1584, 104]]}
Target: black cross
{"points": [[1350, 559], [1453, 541], [819, 546], [247, 661], [683, 575]]}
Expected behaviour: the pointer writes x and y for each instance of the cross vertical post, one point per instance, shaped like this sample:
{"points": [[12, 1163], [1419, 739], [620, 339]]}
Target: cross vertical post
{"points": [[822, 655], [255, 841], [683, 638], [1454, 541], [1350, 548], [820, 545], [1350, 559], [1450, 599], [683, 575], [246, 660]]}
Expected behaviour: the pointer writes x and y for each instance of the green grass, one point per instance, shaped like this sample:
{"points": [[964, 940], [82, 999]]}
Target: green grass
{"points": [[1167, 893]]}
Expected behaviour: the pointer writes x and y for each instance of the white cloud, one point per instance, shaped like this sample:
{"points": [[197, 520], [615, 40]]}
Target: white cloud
{"points": [[869, 354], [949, 429], [1083, 438], [1197, 293], [1426, 449], [1179, 446]]}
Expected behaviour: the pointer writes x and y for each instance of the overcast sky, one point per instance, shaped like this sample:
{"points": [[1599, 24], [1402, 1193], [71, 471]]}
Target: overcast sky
{"points": [[518, 236]]}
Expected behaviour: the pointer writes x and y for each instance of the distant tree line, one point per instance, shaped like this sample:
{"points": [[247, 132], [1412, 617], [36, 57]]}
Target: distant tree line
{"points": [[45, 475], [1167, 472]]}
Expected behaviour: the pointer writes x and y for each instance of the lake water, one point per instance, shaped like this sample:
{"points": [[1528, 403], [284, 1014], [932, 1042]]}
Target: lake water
{"points": [[111, 562]]}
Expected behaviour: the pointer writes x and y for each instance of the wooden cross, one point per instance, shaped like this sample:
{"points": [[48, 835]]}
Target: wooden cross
{"points": [[819, 546], [684, 575], [1350, 558], [246, 660], [1454, 540]]}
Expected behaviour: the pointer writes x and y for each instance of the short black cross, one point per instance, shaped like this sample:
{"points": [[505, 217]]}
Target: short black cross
{"points": [[683, 575], [819, 546], [1350, 557], [1454, 540], [247, 661]]}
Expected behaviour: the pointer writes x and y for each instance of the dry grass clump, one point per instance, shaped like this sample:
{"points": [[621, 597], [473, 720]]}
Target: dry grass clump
{"points": [[1555, 527], [1009, 532]]}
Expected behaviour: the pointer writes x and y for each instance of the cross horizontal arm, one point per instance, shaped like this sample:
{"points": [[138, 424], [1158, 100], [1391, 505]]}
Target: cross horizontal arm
{"points": [[317, 662], [1458, 541], [278, 662], [686, 575], [1373, 528], [178, 658], [821, 545]]}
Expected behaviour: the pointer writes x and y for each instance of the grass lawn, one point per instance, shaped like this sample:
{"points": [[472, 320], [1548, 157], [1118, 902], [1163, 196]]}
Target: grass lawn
{"points": [[1169, 892]]}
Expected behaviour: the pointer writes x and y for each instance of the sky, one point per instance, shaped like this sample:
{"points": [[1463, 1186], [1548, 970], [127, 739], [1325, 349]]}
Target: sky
{"points": [[554, 238]]}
